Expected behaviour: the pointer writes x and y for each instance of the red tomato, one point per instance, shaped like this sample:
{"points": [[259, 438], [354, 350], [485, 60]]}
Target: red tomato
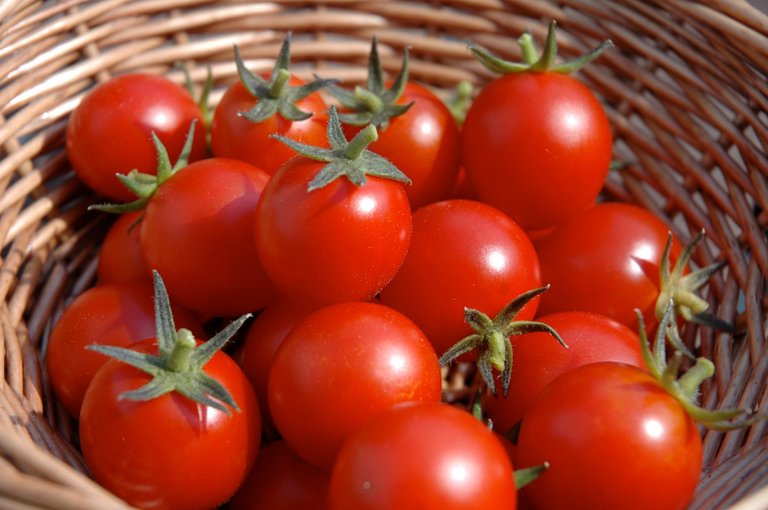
{"points": [[109, 131], [605, 260], [199, 237], [341, 242], [121, 258], [537, 146], [169, 452], [463, 253], [430, 456], [538, 359], [341, 366], [281, 480], [614, 439], [109, 314]]}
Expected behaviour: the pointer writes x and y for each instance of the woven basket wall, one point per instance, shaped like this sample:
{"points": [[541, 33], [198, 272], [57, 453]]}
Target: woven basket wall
{"points": [[685, 89]]}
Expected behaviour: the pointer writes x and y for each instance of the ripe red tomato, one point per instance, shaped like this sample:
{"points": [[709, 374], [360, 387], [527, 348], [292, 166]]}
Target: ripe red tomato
{"points": [[341, 366], [341, 242], [199, 236], [463, 253], [109, 314], [538, 359], [537, 146], [281, 480], [109, 131], [605, 260], [614, 439], [121, 258], [430, 456]]}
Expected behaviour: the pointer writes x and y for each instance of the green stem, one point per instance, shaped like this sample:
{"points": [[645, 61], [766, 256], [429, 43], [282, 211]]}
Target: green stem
{"points": [[497, 349], [178, 360], [371, 100], [277, 88], [691, 380], [528, 49], [361, 141]]}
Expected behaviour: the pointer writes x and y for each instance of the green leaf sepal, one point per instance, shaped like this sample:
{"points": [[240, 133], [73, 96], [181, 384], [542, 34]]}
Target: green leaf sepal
{"points": [[276, 96], [532, 61], [491, 338], [178, 366], [375, 103], [351, 159]]}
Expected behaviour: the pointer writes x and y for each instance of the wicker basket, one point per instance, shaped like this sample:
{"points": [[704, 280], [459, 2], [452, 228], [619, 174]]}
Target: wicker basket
{"points": [[685, 88]]}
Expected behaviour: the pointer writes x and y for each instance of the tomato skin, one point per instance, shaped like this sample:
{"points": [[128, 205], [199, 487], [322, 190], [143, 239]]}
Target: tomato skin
{"points": [[108, 314], [341, 366], [234, 136], [110, 130], [605, 260], [539, 359], [634, 444], [170, 452], [338, 243], [430, 456], [121, 258], [537, 146], [463, 253], [199, 237], [281, 480]]}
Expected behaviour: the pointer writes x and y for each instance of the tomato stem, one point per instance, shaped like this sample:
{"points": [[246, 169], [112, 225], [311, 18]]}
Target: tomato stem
{"points": [[280, 81], [178, 359], [361, 141]]}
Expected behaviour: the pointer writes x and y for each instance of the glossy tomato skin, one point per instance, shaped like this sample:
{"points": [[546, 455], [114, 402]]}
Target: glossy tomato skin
{"points": [[538, 359], [463, 253], [199, 237], [281, 480], [341, 366], [430, 456], [108, 314], [537, 146], [338, 243], [121, 258], [234, 136], [605, 260], [169, 452], [110, 130]]}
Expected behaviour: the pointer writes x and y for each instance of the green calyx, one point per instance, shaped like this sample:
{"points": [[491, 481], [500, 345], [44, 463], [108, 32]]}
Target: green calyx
{"points": [[348, 158], [491, 338], [374, 104], [532, 61], [145, 185], [276, 95], [460, 101], [178, 366], [685, 388]]}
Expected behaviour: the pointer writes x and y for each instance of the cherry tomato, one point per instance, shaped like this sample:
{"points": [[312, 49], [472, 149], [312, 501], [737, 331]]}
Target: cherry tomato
{"points": [[199, 236], [463, 253], [341, 366], [110, 130], [110, 314], [614, 439], [537, 146], [169, 452], [121, 258], [538, 359], [430, 456], [605, 260]]}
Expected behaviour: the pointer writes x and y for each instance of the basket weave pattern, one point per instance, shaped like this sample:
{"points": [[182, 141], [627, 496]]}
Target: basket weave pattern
{"points": [[685, 89]]}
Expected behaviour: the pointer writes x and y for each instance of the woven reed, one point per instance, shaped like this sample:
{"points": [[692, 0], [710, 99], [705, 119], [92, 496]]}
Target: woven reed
{"points": [[685, 88]]}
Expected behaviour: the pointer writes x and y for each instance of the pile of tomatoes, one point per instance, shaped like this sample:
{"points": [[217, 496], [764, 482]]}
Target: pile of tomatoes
{"points": [[357, 234]]}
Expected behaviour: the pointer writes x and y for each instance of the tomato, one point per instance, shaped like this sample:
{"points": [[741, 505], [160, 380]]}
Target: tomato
{"points": [[121, 258], [169, 452], [199, 236], [110, 314], [109, 131], [605, 260], [430, 456], [462, 254], [281, 480], [538, 359], [536, 145], [341, 366], [340, 242], [632, 442]]}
